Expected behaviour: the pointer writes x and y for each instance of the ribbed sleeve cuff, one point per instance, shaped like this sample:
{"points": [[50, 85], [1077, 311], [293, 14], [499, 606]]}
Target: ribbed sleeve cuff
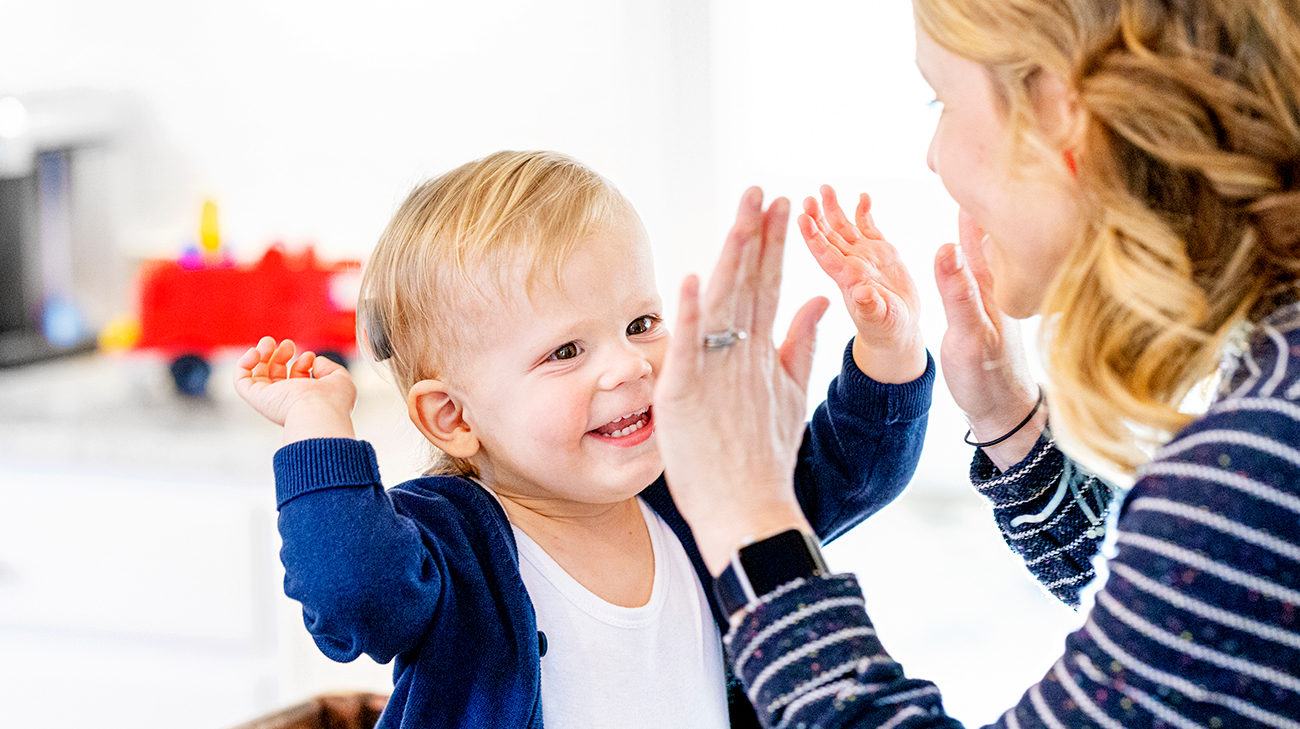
{"points": [[323, 463], [884, 402]]}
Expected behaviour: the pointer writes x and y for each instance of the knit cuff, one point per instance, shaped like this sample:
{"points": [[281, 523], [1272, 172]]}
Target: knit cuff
{"points": [[886, 403], [323, 463], [1007, 488]]}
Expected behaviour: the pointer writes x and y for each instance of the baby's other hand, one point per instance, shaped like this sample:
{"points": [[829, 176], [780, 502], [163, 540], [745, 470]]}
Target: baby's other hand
{"points": [[312, 396], [879, 292]]}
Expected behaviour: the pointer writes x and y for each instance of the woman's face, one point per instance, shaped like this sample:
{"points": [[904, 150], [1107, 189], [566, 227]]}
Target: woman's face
{"points": [[1028, 210]]}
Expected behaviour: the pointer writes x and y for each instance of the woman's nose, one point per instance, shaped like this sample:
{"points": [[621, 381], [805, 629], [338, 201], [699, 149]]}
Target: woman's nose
{"points": [[932, 152]]}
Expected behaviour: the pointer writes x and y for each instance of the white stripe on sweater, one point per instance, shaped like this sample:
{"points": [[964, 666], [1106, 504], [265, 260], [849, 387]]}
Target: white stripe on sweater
{"points": [[902, 716], [1138, 697], [1232, 437], [1183, 686], [1255, 372], [1093, 711], [1070, 580], [915, 693], [1040, 706], [1022, 502], [1034, 531], [1015, 474], [1205, 610], [825, 677], [746, 611], [1222, 571], [1258, 404], [1012, 721], [840, 690], [802, 652], [1257, 537], [1232, 480], [794, 617], [1053, 552], [1195, 650], [1279, 369]]}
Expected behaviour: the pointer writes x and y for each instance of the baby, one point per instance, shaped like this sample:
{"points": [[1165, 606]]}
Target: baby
{"points": [[540, 573]]}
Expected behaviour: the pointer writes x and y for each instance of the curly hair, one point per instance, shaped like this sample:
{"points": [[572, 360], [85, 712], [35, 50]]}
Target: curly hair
{"points": [[452, 249], [1188, 170]]}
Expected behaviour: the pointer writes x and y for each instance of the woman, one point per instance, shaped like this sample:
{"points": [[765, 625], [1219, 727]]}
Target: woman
{"points": [[1132, 165]]}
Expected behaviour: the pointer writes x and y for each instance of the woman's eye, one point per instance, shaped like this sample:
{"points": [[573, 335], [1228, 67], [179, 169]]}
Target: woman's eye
{"points": [[568, 351], [642, 324]]}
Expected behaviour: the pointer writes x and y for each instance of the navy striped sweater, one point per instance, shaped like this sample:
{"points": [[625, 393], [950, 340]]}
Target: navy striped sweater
{"points": [[1197, 624]]}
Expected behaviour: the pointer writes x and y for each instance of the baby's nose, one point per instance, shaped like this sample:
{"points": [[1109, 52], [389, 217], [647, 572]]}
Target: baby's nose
{"points": [[627, 365]]}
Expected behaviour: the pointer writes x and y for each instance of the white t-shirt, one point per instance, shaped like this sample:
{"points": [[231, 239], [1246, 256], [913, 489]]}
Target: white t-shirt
{"points": [[658, 665]]}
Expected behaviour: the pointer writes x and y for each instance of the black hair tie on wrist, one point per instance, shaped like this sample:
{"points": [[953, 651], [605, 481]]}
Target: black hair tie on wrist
{"points": [[1013, 431]]}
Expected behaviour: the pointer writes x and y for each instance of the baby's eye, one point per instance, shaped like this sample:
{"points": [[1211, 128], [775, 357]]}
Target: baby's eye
{"points": [[568, 351], [642, 324]]}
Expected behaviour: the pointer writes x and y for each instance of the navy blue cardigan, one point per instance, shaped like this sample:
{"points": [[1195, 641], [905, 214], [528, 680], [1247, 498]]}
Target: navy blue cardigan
{"points": [[427, 573]]}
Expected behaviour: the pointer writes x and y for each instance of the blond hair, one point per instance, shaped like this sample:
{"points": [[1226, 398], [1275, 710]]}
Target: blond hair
{"points": [[1188, 171], [450, 250]]}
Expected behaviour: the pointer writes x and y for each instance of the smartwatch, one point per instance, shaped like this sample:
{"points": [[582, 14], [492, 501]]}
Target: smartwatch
{"points": [[760, 567]]}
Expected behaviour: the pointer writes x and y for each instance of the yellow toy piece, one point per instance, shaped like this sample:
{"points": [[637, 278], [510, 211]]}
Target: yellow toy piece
{"points": [[209, 233], [119, 335]]}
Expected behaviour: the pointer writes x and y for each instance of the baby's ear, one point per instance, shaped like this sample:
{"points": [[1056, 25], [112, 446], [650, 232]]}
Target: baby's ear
{"points": [[440, 416]]}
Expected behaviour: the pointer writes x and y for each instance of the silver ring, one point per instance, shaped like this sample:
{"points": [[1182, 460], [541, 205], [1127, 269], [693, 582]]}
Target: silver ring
{"points": [[722, 340]]}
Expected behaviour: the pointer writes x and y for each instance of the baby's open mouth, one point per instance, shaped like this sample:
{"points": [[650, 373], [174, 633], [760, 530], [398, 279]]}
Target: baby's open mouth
{"points": [[626, 425]]}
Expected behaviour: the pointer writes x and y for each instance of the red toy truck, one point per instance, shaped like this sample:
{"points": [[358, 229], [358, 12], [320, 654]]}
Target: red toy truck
{"points": [[191, 308]]}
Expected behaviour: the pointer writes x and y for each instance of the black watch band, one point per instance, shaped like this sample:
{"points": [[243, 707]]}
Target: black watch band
{"points": [[762, 566]]}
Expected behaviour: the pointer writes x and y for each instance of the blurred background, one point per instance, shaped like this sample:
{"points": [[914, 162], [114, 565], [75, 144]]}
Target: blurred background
{"points": [[152, 153]]}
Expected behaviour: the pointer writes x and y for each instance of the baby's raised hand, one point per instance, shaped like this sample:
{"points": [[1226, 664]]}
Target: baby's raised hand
{"points": [[312, 397], [880, 295]]}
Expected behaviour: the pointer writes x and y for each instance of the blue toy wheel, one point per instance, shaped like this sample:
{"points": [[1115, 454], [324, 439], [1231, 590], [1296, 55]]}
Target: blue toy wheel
{"points": [[190, 372]]}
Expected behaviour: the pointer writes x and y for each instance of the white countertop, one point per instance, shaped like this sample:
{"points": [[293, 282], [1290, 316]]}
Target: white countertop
{"points": [[122, 414]]}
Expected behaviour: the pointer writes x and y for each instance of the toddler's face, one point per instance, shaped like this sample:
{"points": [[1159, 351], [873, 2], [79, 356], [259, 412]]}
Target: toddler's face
{"points": [[564, 378]]}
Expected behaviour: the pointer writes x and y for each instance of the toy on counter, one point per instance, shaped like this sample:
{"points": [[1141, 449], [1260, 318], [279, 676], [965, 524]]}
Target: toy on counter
{"points": [[205, 301]]}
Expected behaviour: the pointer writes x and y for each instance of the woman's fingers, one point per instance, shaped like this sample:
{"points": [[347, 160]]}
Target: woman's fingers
{"points": [[962, 304], [767, 283], [720, 302], [972, 239], [682, 362], [796, 351]]}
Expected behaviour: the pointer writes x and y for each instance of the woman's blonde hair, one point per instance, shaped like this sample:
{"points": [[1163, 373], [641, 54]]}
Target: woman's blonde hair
{"points": [[457, 243], [1189, 167]]}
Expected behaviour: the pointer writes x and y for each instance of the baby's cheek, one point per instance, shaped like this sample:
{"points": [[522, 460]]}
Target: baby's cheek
{"points": [[559, 414]]}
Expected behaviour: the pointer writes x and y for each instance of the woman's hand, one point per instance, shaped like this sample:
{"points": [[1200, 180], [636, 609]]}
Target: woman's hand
{"points": [[879, 292], [311, 398], [983, 360], [730, 421]]}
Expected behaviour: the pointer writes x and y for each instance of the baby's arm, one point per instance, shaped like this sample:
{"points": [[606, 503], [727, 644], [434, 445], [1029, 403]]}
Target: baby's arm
{"points": [[311, 398], [878, 291], [362, 571]]}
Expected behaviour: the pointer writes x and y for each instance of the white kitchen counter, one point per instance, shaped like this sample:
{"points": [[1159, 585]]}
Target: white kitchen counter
{"points": [[140, 584]]}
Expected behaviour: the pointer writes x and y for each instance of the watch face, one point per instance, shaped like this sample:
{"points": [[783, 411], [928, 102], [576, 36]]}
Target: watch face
{"points": [[777, 560]]}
